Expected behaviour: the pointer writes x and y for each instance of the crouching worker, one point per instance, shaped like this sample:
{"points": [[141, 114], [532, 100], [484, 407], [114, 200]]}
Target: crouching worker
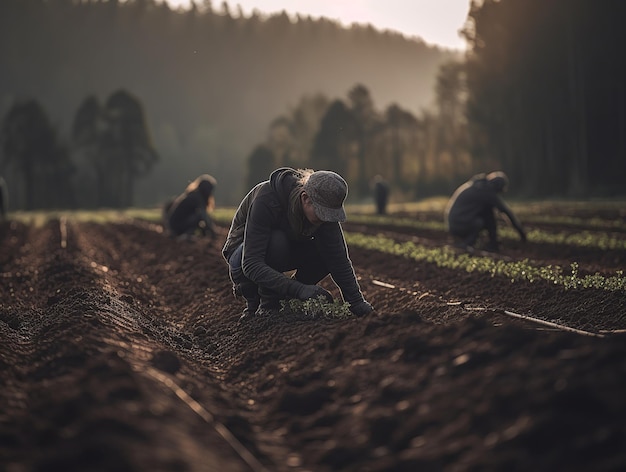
{"points": [[189, 213], [471, 208], [291, 221]]}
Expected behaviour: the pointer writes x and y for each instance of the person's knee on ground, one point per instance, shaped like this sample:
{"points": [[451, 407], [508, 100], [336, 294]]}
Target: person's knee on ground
{"points": [[465, 239], [489, 224], [242, 286], [278, 257], [269, 300], [250, 292], [492, 246], [472, 231]]}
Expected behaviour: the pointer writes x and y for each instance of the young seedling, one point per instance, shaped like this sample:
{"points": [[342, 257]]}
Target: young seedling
{"points": [[316, 308]]}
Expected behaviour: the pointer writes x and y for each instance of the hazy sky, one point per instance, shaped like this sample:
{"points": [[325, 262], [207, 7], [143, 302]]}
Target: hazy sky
{"points": [[435, 21]]}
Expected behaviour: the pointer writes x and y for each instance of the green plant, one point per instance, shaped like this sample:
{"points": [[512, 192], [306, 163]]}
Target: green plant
{"points": [[316, 308]]}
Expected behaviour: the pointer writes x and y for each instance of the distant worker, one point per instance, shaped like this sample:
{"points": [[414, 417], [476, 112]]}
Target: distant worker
{"points": [[381, 194], [291, 221], [470, 211], [189, 213], [3, 200]]}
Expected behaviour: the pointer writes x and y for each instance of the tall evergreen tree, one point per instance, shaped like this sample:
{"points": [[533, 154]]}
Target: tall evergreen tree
{"points": [[336, 141], [366, 123], [546, 84], [31, 146], [115, 139], [261, 163]]}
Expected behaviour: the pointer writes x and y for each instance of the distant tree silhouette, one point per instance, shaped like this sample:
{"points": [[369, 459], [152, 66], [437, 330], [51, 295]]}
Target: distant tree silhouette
{"points": [[366, 122], [305, 119], [278, 150], [31, 146], [280, 140], [336, 142], [261, 163], [115, 139], [205, 67], [451, 138], [88, 124], [399, 160], [289, 139], [127, 144], [547, 93]]}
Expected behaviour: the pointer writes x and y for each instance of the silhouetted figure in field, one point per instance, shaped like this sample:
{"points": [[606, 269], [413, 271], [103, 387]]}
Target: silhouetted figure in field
{"points": [[189, 213], [381, 194], [3, 200], [470, 211], [291, 221]]}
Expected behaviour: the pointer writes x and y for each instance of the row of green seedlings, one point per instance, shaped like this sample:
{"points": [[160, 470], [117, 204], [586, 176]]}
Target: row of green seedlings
{"points": [[587, 239], [523, 270]]}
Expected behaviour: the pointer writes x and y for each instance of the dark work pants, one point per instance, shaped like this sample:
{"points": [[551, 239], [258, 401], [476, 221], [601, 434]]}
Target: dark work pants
{"points": [[282, 255], [469, 233], [187, 225]]}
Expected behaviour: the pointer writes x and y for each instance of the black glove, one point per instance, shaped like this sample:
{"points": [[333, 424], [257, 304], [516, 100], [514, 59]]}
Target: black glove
{"points": [[361, 308], [314, 291]]}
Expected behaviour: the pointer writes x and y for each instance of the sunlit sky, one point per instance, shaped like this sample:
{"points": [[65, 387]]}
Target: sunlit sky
{"points": [[435, 21]]}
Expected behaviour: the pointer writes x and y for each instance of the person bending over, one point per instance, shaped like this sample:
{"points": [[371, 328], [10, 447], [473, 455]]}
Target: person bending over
{"points": [[291, 222], [189, 213], [470, 211]]}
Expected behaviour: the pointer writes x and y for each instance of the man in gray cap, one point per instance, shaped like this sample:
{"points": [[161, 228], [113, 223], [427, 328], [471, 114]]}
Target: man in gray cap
{"points": [[291, 221], [470, 211]]}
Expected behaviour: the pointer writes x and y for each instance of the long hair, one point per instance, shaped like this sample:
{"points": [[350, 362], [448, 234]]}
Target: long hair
{"points": [[204, 185], [295, 212]]}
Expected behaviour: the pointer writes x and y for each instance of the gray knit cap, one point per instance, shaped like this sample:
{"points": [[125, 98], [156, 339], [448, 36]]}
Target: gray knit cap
{"points": [[327, 191]]}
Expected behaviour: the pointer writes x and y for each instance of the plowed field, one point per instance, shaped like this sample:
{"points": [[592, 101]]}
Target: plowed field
{"points": [[121, 350]]}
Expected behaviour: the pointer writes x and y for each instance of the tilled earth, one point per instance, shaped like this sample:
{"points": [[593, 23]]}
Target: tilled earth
{"points": [[121, 350]]}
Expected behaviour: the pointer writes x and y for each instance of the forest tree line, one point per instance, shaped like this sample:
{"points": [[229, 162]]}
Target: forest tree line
{"points": [[110, 148], [546, 93], [538, 94], [210, 78], [417, 155]]}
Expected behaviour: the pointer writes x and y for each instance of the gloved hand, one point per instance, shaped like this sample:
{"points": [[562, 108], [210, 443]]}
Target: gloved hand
{"points": [[361, 308], [314, 291]]}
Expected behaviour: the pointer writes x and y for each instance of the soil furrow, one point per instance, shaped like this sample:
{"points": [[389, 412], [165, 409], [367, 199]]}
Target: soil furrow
{"points": [[123, 351]]}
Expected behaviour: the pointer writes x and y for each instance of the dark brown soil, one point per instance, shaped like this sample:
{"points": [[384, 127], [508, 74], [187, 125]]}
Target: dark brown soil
{"points": [[121, 350]]}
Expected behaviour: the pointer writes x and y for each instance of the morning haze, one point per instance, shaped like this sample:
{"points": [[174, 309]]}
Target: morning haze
{"points": [[210, 81]]}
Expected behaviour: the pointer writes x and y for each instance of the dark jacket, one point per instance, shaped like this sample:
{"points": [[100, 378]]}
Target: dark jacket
{"points": [[264, 209], [472, 199], [190, 208]]}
